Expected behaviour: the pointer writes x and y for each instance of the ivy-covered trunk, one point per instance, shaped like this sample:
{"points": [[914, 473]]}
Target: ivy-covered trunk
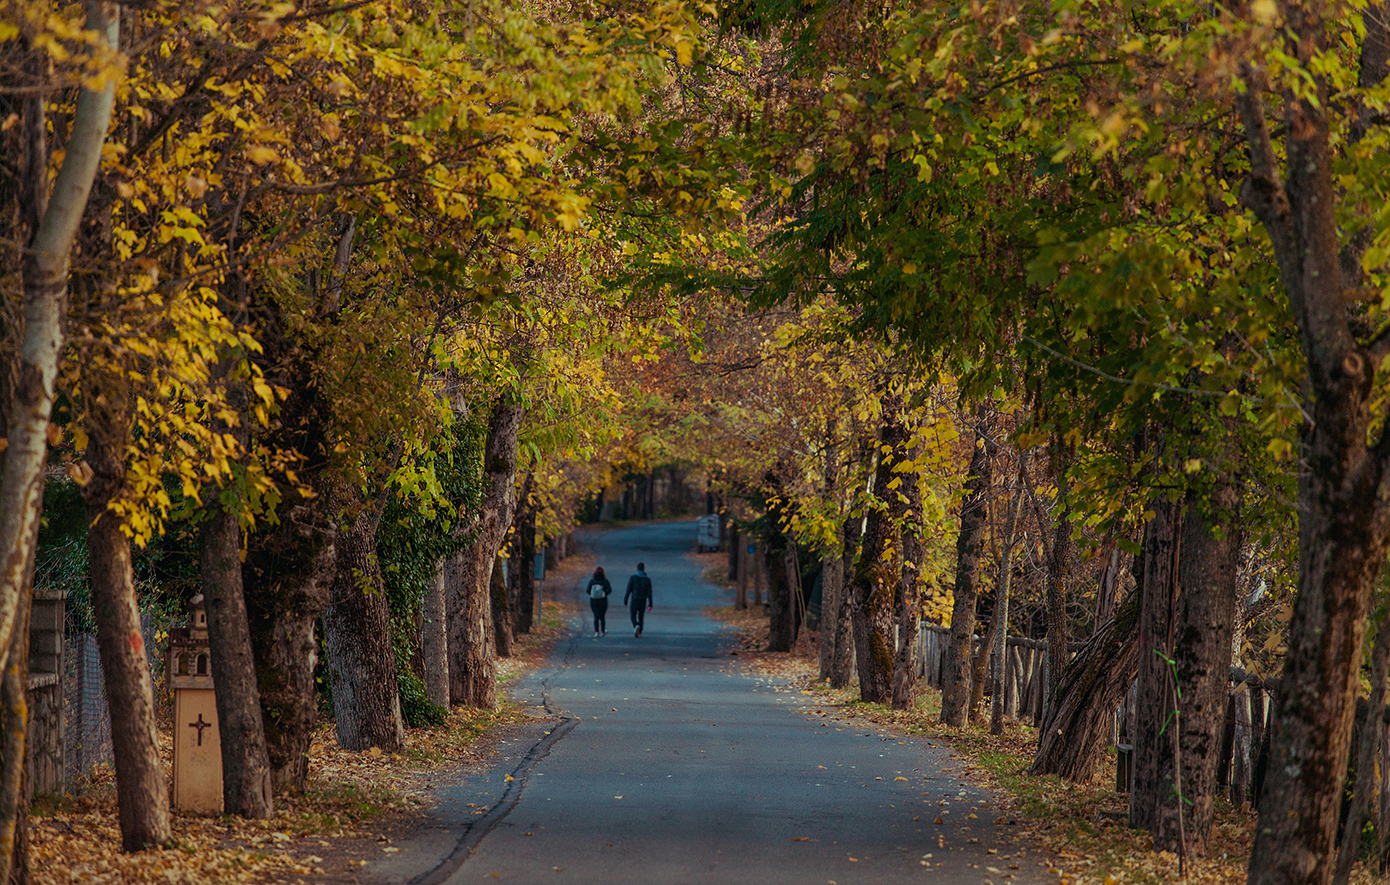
{"points": [[877, 573], [974, 514], [468, 581], [358, 638], [287, 577]]}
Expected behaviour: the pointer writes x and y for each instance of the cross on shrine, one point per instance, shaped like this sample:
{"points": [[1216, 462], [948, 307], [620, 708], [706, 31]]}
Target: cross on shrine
{"points": [[200, 725]]}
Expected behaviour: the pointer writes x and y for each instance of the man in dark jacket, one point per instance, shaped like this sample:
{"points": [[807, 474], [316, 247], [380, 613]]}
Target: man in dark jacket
{"points": [[639, 591]]}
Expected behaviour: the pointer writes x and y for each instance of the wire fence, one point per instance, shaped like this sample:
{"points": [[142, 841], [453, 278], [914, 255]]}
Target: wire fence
{"points": [[87, 735]]}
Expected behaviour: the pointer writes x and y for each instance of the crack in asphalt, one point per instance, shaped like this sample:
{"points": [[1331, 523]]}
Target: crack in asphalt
{"points": [[476, 830]]}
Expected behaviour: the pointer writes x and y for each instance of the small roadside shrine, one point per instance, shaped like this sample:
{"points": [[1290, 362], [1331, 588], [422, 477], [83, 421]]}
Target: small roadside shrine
{"points": [[197, 739]]}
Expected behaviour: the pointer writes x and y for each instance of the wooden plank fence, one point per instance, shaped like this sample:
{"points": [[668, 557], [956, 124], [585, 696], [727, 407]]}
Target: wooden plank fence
{"points": [[1026, 674], [1248, 713]]}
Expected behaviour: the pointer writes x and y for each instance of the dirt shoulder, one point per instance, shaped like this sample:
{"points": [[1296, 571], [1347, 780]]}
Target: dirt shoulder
{"points": [[356, 807]]}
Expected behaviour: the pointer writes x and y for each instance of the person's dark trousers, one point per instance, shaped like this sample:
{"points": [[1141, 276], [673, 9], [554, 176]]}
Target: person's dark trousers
{"points": [[639, 615], [600, 607]]}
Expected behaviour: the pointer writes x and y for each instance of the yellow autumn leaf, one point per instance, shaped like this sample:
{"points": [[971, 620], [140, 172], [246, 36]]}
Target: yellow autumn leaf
{"points": [[261, 154]]}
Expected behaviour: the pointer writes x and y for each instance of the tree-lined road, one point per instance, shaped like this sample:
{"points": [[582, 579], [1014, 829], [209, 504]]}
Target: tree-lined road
{"points": [[664, 763]]}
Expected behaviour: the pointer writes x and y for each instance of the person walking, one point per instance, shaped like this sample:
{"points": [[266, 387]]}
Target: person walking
{"points": [[639, 591], [599, 591]]}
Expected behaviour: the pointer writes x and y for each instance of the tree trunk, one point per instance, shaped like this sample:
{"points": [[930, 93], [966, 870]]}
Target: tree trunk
{"points": [[909, 611], [996, 640], [1344, 505], [358, 639], [1058, 579], [1073, 743], [1372, 734], [472, 654], [246, 789], [1158, 594], [521, 575], [832, 572], [287, 578], [909, 593], [501, 610], [877, 572], [45, 280], [734, 574], [142, 794], [781, 622], [1201, 652], [14, 722], [974, 513], [782, 625], [435, 641], [842, 659]]}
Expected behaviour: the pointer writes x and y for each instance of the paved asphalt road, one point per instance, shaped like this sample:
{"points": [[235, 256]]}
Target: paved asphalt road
{"points": [[663, 763]]}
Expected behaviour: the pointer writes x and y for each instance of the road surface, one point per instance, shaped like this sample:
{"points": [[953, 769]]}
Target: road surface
{"points": [[661, 762]]}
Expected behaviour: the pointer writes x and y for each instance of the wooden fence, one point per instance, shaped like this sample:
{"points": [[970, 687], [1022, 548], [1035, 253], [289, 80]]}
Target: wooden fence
{"points": [[1248, 708], [1024, 678]]}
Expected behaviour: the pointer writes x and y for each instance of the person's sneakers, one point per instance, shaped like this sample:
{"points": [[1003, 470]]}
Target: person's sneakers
{"points": [[638, 632]]}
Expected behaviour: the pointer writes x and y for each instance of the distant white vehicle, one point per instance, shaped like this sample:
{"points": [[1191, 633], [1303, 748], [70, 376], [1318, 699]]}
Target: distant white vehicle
{"points": [[707, 533]]}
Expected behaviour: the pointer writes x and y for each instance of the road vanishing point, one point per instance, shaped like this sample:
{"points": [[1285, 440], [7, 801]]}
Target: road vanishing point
{"points": [[660, 760]]}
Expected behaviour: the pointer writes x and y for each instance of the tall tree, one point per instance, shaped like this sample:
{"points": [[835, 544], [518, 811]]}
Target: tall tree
{"points": [[472, 650], [878, 571], [974, 516]]}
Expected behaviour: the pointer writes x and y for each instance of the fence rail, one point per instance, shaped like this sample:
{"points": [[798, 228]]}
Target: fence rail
{"points": [[1025, 676]]}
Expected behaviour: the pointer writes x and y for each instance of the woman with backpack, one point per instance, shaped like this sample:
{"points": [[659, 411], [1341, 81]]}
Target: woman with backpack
{"points": [[599, 590]]}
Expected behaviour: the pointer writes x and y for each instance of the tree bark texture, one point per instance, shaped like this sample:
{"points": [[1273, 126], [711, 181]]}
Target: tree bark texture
{"points": [[1343, 496], [246, 782], [782, 624], [14, 739], [435, 641], [358, 640], [501, 610], [832, 572], [1158, 602], [472, 653], [1210, 557], [1372, 733], [1073, 744], [521, 575], [1058, 581], [142, 794], [974, 514], [288, 576], [996, 642], [877, 573], [45, 279], [842, 658], [909, 593]]}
